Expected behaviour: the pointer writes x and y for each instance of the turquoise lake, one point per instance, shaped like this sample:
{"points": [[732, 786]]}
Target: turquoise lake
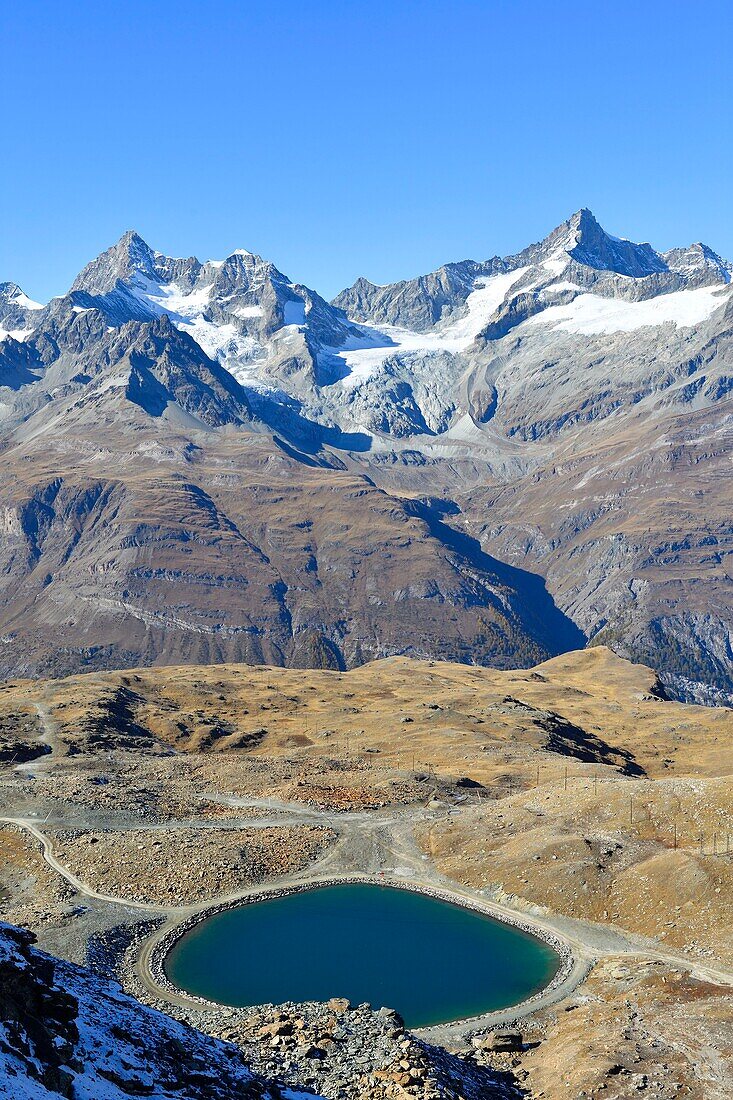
{"points": [[430, 960]]}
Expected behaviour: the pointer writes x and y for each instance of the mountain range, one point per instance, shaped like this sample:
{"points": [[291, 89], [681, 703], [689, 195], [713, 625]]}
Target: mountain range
{"points": [[494, 462]]}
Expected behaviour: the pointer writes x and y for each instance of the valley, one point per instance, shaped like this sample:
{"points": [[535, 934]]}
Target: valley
{"points": [[492, 463], [366, 552]]}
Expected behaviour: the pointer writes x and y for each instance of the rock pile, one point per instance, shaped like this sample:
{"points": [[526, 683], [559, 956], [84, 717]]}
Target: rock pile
{"points": [[357, 1053]]}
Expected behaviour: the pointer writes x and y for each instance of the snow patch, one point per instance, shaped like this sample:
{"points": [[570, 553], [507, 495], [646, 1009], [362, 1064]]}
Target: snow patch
{"points": [[591, 315], [25, 302], [221, 342], [116, 1055], [19, 334], [361, 358], [482, 303], [557, 263]]}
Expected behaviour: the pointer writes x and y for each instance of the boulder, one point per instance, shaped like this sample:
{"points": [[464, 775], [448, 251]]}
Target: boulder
{"points": [[509, 1041]]}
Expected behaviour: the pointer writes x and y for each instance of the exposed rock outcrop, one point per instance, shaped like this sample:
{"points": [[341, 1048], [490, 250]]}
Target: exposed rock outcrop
{"points": [[66, 1033]]}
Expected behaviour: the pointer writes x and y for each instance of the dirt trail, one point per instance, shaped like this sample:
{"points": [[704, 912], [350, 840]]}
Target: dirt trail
{"points": [[380, 845], [47, 852], [49, 737]]}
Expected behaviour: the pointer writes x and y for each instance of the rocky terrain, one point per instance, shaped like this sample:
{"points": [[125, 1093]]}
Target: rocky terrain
{"points": [[490, 463], [355, 1051], [217, 862], [574, 796], [65, 1033]]}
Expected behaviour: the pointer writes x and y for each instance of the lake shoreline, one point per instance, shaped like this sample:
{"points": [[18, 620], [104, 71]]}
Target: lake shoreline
{"points": [[568, 963]]}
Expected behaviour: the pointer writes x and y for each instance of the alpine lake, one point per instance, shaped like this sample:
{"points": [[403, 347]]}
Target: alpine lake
{"points": [[432, 960]]}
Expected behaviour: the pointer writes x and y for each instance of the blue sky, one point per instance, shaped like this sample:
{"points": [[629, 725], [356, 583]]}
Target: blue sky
{"points": [[348, 138]]}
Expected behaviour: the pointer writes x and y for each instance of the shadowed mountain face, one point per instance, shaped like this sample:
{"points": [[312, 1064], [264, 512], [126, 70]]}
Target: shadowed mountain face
{"points": [[238, 551], [489, 463]]}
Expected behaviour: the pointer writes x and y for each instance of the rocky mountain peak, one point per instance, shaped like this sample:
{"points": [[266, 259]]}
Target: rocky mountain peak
{"points": [[9, 292], [478, 373], [132, 243], [699, 260], [584, 220], [244, 253], [124, 262], [584, 240], [17, 310]]}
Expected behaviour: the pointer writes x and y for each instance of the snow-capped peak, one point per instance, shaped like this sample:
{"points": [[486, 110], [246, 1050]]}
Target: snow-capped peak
{"points": [[11, 294], [18, 312]]}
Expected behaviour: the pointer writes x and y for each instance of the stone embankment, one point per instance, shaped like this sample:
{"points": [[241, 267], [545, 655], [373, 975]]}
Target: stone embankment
{"points": [[154, 961]]}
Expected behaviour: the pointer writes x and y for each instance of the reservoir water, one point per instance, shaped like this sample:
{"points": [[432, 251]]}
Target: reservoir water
{"points": [[429, 959]]}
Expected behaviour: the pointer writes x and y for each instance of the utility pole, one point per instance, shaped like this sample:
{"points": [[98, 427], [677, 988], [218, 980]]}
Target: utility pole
{"points": [[566, 777], [595, 783], [631, 809], [675, 834]]}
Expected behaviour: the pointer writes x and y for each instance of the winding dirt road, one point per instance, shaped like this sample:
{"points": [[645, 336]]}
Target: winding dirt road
{"points": [[380, 846]]}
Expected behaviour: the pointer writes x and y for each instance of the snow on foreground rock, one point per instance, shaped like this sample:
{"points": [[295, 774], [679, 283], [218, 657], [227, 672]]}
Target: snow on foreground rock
{"points": [[64, 1032]]}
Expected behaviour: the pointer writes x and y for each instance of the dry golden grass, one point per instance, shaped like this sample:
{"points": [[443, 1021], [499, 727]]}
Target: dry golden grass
{"points": [[595, 794], [636, 1027], [452, 718]]}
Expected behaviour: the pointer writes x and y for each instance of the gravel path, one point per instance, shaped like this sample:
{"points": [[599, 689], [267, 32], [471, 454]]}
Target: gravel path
{"points": [[380, 846]]}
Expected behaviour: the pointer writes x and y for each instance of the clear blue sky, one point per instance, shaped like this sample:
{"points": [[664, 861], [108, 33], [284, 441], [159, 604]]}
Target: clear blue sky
{"points": [[346, 138]]}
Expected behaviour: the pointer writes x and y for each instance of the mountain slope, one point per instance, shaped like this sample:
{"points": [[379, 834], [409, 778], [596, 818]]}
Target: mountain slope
{"points": [[321, 483], [598, 392], [66, 1033], [231, 549]]}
